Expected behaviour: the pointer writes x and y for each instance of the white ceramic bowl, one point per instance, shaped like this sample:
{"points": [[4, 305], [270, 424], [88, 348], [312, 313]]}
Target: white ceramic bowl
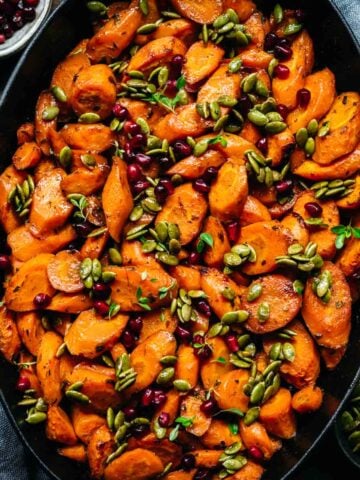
{"points": [[23, 36]]}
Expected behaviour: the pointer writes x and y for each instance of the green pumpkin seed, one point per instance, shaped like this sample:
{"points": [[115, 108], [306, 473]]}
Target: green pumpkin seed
{"points": [[108, 277], [298, 286], [50, 113], [186, 312], [96, 269], [278, 13], [233, 16], [261, 89], [227, 101], [221, 20], [312, 127], [292, 28], [274, 117], [77, 397], [89, 117], [215, 111], [28, 402], [275, 127], [251, 415], [233, 464], [220, 124], [215, 330], [165, 376], [115, 256], [61, 350], [147, 29], [59, 93], [121, 433], [269, 179], [235, 65], [110, 418], [295, 249], [311, 249], [144, 6], [238, 316], [203, 109], [263, 312], [347, 421], [249, 82], [117, 453], [36, 418], [85, 268], [254, 292], [241, 249], [228, 293], [88, 282], [97, 7], [322, 287], [136, 74], [309, 146], [163, 76], [238, 362], [200, 148], [182, 385], [205, 33], [88, 160], [168, 360], [257, 118], [257, 393], [274, 365], [149, 246], [241, 39], [273, 63], [160, 432], [167, 259], [232, 259], [288, 351], [275, 351], [233, 449], [151, 205], [324, 129], [65, 156], [143, 125], [119, 420]]}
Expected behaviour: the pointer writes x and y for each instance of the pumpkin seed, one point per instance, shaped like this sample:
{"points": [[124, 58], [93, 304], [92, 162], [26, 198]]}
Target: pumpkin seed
{"points": [[228, 293], [254, 292], [235, 65], [215, 330], [173, 231], [215, 111], [275, 351], [233, 449], [278, 13], [50, 113], [288, 351], [89, 117], [149, 246], [28, 402], [203, 109], [295, 249], [232, 259], [312, 127], [165, 376], [167, 259], [263, 312], [205, 33], [238, 362], [257, 393], [117, 453], [274, 117], [261, 89], [182, 385], [65, 156], [309, 147], [241, 249], [121, 433], [151, 205], [275, 127], [292, 28], [36, 418], [221, 20], [168, 360], [251, 415], [119, 419], [324, 129], [273, 63], [257, 118], [96, 269], [322, 287], [249, 82], [85, 268], [147, 29], [144, 6], [298, 286], [234, 464], [160, 432], [96, 7], [115, 256], [274, 365], [77, 396], [61, 350], [200, 148], [110, 418]]}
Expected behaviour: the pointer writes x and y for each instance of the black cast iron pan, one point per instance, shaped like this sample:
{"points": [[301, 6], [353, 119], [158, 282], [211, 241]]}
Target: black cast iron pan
{"points": [[335, 48]]}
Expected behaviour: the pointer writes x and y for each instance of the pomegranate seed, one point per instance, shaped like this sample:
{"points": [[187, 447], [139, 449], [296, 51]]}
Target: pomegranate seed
{"points": [[271, 39], [83, 229], [209, 407], [313, 209], [303, 97], [284, 186], [7, 31], [23, 383], [42, 300], [101, 307], [164, 162], [204, 308], [210, 174], [183, 334], [198, 338], [201, 186], [282, 52], [256, 453], [5, 263], [202, 474], [142, 159], [159, 398], [171, 87], [29, 14], [283, 110], [2, 38], [177, 60], [31, 3], [233, 231], [129, 155], [194, 258], [137, 141], [101, 291], [244, 104], [139, 430], [129, 412], [188, 461], [176, 66], [128, 340], [182, 149], [232, 343], [281, 71], [141, 185], [17, 21], [284, 42], [167, 183], [164, 419], [161, 193], [193, 87], [262, 145], [135, 324], [120, 112], [131, 128], [204, 352], [147, 397], [134, 173]]}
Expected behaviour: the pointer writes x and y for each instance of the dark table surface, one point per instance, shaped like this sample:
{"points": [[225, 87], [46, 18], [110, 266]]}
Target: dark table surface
{"points": [[327, 462]]}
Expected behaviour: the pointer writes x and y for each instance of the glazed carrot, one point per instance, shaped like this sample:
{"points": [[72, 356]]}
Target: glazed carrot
{"points": [[254, 211], [67, 364], [94, 246], [344, 121], [277, 415], [145, 359], [132, 254], [278, 145], [207, 458], [9, 178], [116, 193], [253, 57], [219, 435], [352, 200], [42, 126], [255, 435], [85, 422], [25, 133], [269, 239], [213, 257], [232, 179], [193, 167], [187, 208], [95, 138], [48, 367], [278, 294], [349, 257], [90, 335], [250, 132], [332, 357], [10, 342], [168, 452], [251, 471], [115, 35], [142, 463], [30, 280], [305, 367], [59, 427], [220, 83], [171, 405], [180, 28], [63, 271], [307, 400], [212, 369], [201, 60], [76, 453], [28, 155], [101, 445], [258, 27], [93, 90], [244, 8], [188, 278], [155, 321], [300, 65], [297, 227], [229, 390], [187, 365], [200, 12], [321, 86], [190, 408], [330, 322], [181, 475], [70, 302], [30, 330]]}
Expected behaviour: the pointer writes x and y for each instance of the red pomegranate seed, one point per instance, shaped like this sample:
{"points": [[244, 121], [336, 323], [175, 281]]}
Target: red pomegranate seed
{"points": [[129, 412], [31, 3], [283, 110], [147, 397], [313, 209], [188, 461], [137, 141], [210, 174], [101, 291], [204, 352], [244, 104], [256, 453], [183, 334], [171, 87], [128, 340], [233, 231], [120, 112], [2, 38], [131, 128], [159, 398], [303, 97], [282, 52], [209, 407], [134, 173], [135, 324], [194, 258], [142, 159], [42, 300], [182, 149], [232, 343], [201, 186], [140, 186], [284, 186], [281, 71], [262, 145], [5, 263], [271, 39], [23, 383], [204, 308], [164, 419], [101, 307]]}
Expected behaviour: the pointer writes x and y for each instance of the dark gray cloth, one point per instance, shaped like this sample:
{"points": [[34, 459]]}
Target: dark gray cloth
{"points": [[15, 463]]}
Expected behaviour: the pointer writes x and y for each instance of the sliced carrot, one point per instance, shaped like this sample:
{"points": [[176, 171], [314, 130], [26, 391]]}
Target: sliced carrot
{"points": [[75, 452], [64, 271], [229, 390], [30, 330], [179, 28], [8, 180], [251, 471], [217, 365], [43, 127], [244, 8], [70, 302], [48, 367], [10, 342], [101, 445], [255, 435], [193, 167], [167, 451], [85, 422], [190, 408], [28, 155], [95, 138], [278, 145], [221, 82], [307, 400], [94, 246], [278, 416], [187, 365], [296, 226], [213, 257], [25, 133], [201, 60], [254, 211], [200, 12], [207, 458], [59, 427], [139, 463], [188, 278], [219, 435]]}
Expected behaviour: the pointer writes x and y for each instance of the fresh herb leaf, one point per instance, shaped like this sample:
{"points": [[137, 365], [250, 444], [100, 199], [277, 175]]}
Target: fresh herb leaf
{"points": [[221, 360], [163, 100], [207, 238], [198, 345], [174, 433], [339, 229], [234, 428], [343, 232], [138, 293], [181, 82], [218, 139], [185, 421], [232, 411], [340, 241], [355, 232], [113, 309], [163, 291], [80, 202]]}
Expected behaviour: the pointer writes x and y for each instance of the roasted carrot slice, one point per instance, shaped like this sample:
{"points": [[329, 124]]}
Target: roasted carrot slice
{"points": [[25, 133], [213, 257], [254, 211], [188, 278], [200, 12], [95, 138], [48, 367], [251, 471], [85, 422], [229, 391], [243, 8], [278, 145], [42, 126], [201, 60], [70, 302], [277, 415], [332, 356], [190, 408], [255, 435], [30, 280], [180, 28], [75, 452], [64, 271], [297, 227], [219, 435], [10, 342], [30, 330], [28, 155], [139, 463], [221, 82], [212, 369], [307, 400], [187, 208], [100, 446], [329, 323], [193, 167], [187, 365], [352, 200], [59, 427], [167, 451], [94, 246], [9, 178]]}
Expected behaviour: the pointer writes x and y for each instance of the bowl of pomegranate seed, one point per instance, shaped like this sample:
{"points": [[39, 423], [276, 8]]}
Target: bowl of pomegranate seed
{"points": [[19, 21]]}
